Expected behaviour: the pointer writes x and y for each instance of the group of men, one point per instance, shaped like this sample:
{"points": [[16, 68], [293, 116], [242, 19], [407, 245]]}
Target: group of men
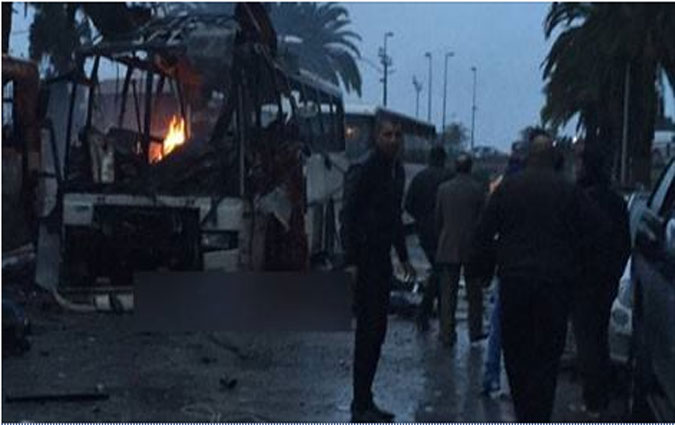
{"points": [[557, 247]]}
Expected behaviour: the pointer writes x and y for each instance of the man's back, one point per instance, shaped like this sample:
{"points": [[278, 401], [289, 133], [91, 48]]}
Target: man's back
{"points": [[613, 237], [458, 207], [420, 202], [421, 198], [540, 223]]}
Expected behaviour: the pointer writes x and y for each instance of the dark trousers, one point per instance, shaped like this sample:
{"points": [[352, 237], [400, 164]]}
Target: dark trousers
{"points": [[534, 326], [371, 305], [590, 317], [449, 275]]}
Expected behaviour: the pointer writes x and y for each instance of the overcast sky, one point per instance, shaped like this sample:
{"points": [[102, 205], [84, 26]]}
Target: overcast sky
{"points": [[505, 41]]}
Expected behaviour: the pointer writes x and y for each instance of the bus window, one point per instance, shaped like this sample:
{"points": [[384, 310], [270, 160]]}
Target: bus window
{"points": [[7, 113], [358, 138], [332, 139]]}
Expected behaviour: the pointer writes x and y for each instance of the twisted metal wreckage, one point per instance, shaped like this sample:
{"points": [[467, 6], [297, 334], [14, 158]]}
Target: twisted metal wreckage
{"points": [[222, 188]]}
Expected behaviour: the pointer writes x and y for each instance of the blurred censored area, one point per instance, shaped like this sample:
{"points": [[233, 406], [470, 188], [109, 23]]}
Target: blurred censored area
{"points": [[246, 301]]}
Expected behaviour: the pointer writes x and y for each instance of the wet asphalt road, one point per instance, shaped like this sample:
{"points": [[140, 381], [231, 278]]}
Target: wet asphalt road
{"points": [[222, 377]]}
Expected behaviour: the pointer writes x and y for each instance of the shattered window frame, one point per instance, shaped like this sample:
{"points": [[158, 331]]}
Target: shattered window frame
{"points": [[8, 114]]}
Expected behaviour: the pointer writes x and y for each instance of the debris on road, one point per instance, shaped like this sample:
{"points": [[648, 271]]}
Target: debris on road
{"points": [[227, 383], [15, 328], [18, 258], [64, 397]]}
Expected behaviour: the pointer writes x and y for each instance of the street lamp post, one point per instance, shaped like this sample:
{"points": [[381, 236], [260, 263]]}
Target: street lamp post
{"points": [[473, 107], [418, 88], [445, 86], [428, 55], [624, 138], [386, 62]]}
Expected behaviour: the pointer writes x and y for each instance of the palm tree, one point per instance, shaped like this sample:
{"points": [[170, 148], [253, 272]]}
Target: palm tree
{"points": [[598, 46], [59, 28], [6, 25], [316, 35], [312, 36], [56, 31]]}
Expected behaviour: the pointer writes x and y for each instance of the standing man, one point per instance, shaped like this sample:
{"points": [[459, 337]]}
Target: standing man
{"points": [[493, 356], [371, 225], [542, 224], [420, 204], [458, 206], [593, 303]]}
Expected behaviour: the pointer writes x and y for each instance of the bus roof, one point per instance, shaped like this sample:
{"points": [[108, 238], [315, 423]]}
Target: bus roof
{"points": [[310, 79], [408, 122]]}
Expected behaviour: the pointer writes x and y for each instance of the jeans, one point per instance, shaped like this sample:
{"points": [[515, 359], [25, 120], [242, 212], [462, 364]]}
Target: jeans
{"points": [[493, 359]]}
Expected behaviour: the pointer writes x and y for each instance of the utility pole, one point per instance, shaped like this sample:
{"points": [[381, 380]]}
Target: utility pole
{"points": [[418, 88], [445, 87], [624, 139], [386, 62], [428, 55], [473, 108]]}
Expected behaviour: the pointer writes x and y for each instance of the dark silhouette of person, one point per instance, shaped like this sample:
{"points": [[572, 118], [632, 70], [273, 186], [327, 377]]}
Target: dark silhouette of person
{"points": [[541, 227], [371, 225], [599, 286], [420, 203], [458, 206]]}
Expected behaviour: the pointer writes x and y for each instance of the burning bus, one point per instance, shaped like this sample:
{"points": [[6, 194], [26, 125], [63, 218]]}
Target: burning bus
{"points": [[208, 154]]}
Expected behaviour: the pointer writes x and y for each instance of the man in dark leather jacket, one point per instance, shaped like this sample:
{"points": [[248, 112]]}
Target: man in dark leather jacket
{"points": [[599, 286], [420, 203], [371, 225], [542, 226]]}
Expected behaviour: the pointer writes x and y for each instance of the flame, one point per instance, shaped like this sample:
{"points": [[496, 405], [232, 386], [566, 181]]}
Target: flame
{"points": [[175, 137]]}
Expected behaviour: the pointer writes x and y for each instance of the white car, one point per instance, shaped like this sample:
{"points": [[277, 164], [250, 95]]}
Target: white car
{"points": [[621, 318]]}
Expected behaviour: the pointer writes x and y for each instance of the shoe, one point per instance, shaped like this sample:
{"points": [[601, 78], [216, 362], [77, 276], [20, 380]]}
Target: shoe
{"points": [[478, 338], [387, 416], [448, 341], [372, 414], [492, 394], [422, 325], [367, 416], [582, 408]]}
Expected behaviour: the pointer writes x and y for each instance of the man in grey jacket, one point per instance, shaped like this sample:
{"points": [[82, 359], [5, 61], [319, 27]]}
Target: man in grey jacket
{"points": [[458, 207]]}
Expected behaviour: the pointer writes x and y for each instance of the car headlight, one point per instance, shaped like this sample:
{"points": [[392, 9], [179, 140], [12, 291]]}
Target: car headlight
{"points": [[625, 295], [620, 318]]}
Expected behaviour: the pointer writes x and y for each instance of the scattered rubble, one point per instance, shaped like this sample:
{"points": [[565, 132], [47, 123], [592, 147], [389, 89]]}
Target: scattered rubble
{"points": [[227, 383], [15, 329], [56, 397]]}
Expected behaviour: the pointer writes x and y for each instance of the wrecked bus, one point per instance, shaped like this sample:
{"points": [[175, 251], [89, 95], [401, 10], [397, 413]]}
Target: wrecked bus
{"points": [[208, 154], [21, 147]]}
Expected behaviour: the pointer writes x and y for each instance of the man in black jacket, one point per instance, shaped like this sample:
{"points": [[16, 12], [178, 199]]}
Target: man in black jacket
{"points": [[371, 225], [542, 226], [420, 203], [593, 301]]}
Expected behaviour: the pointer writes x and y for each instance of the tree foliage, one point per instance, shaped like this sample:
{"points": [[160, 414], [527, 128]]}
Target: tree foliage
{"points": [[317, 35], [596, 47], [313, 36], [58, 29], [454, 137]]}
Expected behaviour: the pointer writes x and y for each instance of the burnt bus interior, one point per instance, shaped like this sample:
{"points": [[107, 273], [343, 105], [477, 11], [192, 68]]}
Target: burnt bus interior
{"points": [[200, 112]]}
